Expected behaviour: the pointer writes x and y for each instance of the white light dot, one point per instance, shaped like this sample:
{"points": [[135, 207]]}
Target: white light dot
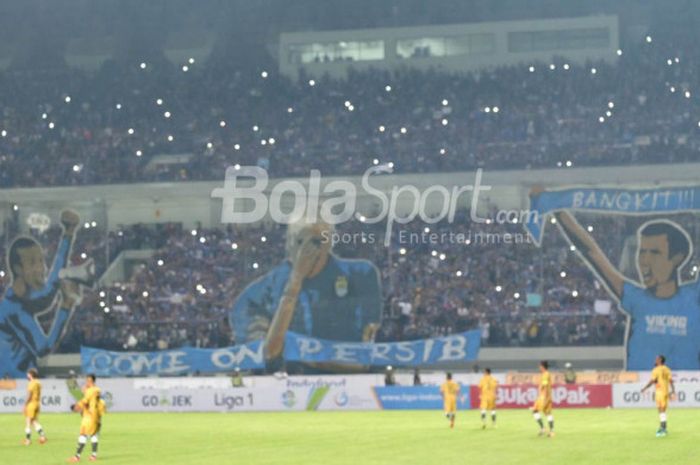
{"points": [[166, 114], [193, 232], [375, 162], [563, 274], [145, 294], [93, 224], [403, 130], [426, 230], [118, 106], [15, 207], [106, 309], [434, 253], [382, 129], [608, 113], [687, 94], [44, 116], [161, 263], [130, 131], [263, 239], [185, 68], [572, 248], [210, 145], [139, 153], [255, 265], [222, 123], [590, 228], [263, 142], [86, 225], [256, 128], [83, 255], [458, 273], [672, 89], [669, 62], [263, 74], [677, 60], [202, 240], [566, 66], [159, 101], [3, 133], [611, 105], [312, 82], [443, 151], [234, 246], [2, 273], [444, 121], [574, 293], [619, 52], [142, 65], [499, 288], [593, 70], [648, 39], [487, 109], [351, 108], [568, 163], [391, 164], [236, 167], [236, 146], [76, 168], [191, 61], [402, 251], [496, 109], [102, 303], [387, 88], [531, 69], [443, 256], [170, 138], [271, 141], [67, 99], [51, 125], [445, 102], [347, 103], [290, 110], [516, 295], [601, 119], [552, 67]]}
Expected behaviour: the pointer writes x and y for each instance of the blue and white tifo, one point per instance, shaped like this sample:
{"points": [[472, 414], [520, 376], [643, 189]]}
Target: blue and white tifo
{"points": [[462, 347]]}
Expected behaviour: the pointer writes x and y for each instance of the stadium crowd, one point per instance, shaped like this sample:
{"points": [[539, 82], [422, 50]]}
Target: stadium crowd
{"points": [[124, 123]]}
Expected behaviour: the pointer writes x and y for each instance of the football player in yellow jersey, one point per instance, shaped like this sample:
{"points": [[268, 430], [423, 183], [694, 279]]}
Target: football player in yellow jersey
{"points": [[487, 397], [665, 390], [91, 408], [543, 404], [450, 392], [32, 407]]}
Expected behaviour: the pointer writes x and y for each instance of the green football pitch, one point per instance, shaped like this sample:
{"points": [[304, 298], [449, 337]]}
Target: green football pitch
{"points": [[590, 437]]}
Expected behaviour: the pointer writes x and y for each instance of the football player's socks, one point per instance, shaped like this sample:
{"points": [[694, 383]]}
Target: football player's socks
{"points": [[550, 420], [493, 417], [94, 440], [483, 416], [662, 417], [28, 433], [82, 440], [39, 429], [538, 417]]}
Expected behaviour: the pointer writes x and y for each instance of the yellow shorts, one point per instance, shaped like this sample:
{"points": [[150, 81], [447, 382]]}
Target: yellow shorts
{"points": [[450, 405], [89, 426], [488, 403], [661, 400], [31, 411], [543, 405]]}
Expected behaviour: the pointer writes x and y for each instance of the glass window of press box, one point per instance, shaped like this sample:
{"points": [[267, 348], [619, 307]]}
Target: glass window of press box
{"points": [[572, 39], [467, 44], [336, 51]]}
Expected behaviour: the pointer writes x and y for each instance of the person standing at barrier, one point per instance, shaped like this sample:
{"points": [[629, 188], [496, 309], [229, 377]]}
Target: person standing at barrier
{"points": [[32, 407], [665, 390], [487, 397], [450, 392], [92, 408], [543, 404]]}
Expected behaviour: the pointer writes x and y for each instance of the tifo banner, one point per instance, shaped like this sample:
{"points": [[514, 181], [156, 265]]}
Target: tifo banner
{"points": [[583, 377], [630, 396], [454, 348], [641, 201], [643, 272], [564, 396], [416, 397]]}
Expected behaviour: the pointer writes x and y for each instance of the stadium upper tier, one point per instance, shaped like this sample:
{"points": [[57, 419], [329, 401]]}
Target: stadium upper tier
{"points": [[154, 121]]}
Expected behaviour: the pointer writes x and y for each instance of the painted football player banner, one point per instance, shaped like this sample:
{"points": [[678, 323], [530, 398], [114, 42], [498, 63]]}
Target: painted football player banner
{"points": [[663, 311], [454, 348]]}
